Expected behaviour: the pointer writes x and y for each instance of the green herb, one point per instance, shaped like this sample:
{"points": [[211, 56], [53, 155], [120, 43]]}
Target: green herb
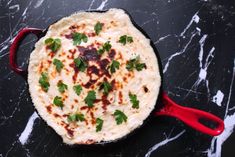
{"points": [[80, 63], [135, 64], [62, 87], [90, 98], [106, 47], [98, 27], [106, 86], [58, 64], [77, 89], [76, 117], [134, 101], [58, 101], [114, 65], [140, 66], [44, 81], [78, 38], [100, 51], [99, 124], [53, 44], [124, 39], [120, 117]]}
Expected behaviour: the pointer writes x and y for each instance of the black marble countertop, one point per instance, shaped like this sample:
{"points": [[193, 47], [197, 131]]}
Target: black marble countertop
{"points": [[196, 43]]}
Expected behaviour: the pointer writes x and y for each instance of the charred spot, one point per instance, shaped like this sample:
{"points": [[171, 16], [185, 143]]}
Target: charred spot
{"points": [[91, 34], [75, 100], [84, 108], [68, 36], [112, 54], [93, 121], [49, 62], [105, 102], [52, 54], [69, 131], [65, 115], [56, 115], [72, 106], [48, 109], [40, 67], [74, 27], [124, 79], [113, 82], [90, 54], [145, 89], [72, 51], [120, 97], [90, 83], [93, 70]]}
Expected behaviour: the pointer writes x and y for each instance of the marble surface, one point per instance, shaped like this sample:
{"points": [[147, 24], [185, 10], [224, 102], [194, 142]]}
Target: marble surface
{"points": [[196, 44]]}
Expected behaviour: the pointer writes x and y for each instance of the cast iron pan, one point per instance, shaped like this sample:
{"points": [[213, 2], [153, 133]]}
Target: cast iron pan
{"points": [[165, 106]]}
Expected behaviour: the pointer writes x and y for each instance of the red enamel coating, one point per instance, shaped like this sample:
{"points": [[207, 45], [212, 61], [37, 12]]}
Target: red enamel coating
{"points": [[191, 116], [14, 47]]}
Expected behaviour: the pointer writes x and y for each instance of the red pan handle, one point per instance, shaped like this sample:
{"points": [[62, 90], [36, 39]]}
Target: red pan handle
{"points": [[191, 117], [15, 45]]}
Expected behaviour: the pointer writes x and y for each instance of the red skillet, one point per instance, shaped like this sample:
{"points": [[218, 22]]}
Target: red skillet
{"points": [[189, 116]]}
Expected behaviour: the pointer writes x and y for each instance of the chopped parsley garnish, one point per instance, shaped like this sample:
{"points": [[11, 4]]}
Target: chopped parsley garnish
{"points": [[125, 39], [44, 81], [62, 87], [77, 89], [106, 87], [114, 65], [76, 117], [53, 44], [135, 64], [58, 101], [78, 38], [99, 124], [120, 117], [90, 98], [80, 63], [106, 47], [134, 101], [98, 28], [58, 64]]}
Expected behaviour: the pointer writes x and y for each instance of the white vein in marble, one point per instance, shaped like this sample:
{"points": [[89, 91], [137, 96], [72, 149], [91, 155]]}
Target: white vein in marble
{"points": [[162, 143], [218, 98], [28, 129]]}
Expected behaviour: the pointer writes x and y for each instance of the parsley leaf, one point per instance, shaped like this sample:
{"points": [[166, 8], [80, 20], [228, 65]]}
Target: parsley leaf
{"points": [[106, 86], [124, 39], [120, 117], [58, 101], [140, 66], [106, 47], [78, 38], [114, 65], [80, 63], [44, 81], [90, 98], [134, 101], [62, 87], [99, 124], [76, 117], [98, 27], [53, 44], [77, 89], [135, 64], [58, 64]]}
